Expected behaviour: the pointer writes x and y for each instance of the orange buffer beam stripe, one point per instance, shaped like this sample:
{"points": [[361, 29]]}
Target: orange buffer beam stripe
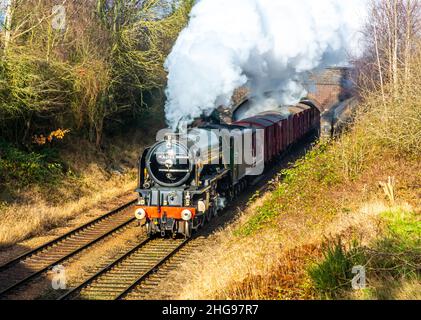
{"points": [[171, 212]]}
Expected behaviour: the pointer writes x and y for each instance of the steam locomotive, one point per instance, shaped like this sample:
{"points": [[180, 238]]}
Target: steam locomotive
{"points": [[186, 178]]}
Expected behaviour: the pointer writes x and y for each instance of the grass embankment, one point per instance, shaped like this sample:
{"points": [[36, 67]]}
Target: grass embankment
{"points": [[353, 202], [50, 185]]}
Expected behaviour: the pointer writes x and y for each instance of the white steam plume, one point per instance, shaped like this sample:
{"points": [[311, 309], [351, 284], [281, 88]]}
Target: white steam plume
{"points": [[266, 45]]}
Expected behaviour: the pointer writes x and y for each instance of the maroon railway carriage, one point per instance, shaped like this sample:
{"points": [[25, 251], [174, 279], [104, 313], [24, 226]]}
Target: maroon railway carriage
{"points": [[284, 129], [259, 123]]}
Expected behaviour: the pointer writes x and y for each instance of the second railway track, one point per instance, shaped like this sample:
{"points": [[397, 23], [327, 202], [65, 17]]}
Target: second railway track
{"points": [[125, 275], [15, 274]]}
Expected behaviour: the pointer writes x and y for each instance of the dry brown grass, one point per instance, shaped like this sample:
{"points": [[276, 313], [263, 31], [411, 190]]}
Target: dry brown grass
{"points": [[21, 221], [333, 194], [405, 289], [272, 263], [97, 182]]}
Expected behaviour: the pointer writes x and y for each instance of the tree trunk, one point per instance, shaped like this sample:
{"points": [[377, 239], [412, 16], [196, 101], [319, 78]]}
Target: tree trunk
{"points": [[8, 23], [408, 37], [99, 127], [378, 62], [395, 46]]}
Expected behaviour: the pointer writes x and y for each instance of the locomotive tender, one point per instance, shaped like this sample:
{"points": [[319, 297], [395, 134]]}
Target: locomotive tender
{"points": [[186, 179]]}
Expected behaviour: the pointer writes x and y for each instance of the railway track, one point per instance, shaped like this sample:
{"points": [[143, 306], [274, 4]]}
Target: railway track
{"points": [[127, 274], [150, 287], [17, 273]]}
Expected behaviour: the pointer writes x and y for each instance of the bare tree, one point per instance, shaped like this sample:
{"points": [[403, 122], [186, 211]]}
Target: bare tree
{"points": [[8, 23], [391, 35], [94, 71]]}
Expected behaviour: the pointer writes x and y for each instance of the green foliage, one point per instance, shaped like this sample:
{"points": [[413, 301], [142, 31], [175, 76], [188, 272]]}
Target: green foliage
{"points": [[396, 254], [265, 214], [296, 189], [391, 128], [319, 166], [404, 226], [21, 168], [141, 36], [334, 273], [399, 250]]}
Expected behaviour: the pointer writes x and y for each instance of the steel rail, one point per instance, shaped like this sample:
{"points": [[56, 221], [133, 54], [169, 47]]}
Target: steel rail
{"points": [[101, 272], [66, 235], [125, 258], [51, 244], [151, 271]]}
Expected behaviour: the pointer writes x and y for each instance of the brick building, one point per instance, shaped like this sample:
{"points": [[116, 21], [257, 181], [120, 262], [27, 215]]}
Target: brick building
{"points": [[330, 86]]}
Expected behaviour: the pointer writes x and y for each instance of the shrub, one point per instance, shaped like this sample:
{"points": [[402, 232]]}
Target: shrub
{"points": [[21, 168], [334, 273]]}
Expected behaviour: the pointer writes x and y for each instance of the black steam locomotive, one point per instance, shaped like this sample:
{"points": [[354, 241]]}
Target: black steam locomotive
{"points": [[186, 179]]}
